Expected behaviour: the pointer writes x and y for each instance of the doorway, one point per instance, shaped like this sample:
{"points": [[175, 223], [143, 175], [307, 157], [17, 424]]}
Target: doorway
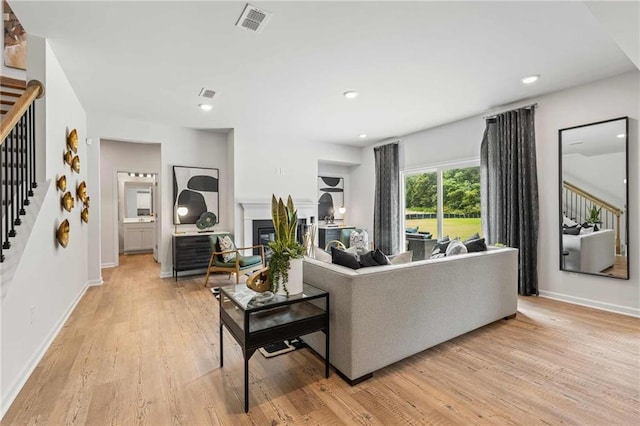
{"points": [[137, 213]]}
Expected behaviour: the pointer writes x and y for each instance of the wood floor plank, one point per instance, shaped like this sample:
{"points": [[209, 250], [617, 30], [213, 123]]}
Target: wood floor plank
{"points": [[143, 350]]}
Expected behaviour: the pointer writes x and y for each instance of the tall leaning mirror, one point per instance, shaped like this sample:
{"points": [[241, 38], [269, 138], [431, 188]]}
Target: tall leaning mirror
{"points": [[593, 198]]}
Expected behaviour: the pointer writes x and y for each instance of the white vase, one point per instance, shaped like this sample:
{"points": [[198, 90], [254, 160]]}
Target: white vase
{"points": [[294, 285]]}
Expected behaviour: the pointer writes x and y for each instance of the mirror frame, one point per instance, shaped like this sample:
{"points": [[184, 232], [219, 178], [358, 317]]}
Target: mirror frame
{"points": [[560, 212]]}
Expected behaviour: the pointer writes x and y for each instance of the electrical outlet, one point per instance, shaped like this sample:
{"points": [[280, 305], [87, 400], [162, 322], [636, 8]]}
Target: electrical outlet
{"points": [[32, 317]]}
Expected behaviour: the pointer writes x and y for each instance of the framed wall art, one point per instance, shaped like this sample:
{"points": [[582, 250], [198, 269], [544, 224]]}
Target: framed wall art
{"points": [[330, 197], [195, 191]]}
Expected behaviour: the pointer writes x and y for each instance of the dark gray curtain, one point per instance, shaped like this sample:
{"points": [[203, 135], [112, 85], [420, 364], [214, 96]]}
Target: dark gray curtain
{"points": [[386, 212], [509, 190]]}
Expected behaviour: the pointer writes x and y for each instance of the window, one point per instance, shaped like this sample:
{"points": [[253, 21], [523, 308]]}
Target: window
{"points": [[443, 200]]}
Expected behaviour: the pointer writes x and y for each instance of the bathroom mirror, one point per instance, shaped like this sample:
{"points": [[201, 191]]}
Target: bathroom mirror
{"points": [[138, 200], [594, 195]]}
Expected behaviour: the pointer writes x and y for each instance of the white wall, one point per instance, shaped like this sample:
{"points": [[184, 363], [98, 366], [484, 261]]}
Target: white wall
{"points": [[119, 157], [602, 100], [49, 279], [178, 146]]}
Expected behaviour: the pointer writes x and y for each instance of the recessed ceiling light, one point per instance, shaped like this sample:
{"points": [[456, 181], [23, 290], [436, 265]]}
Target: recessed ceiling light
{"points": [[363, 135], [351, 94], [621, 135], [205, 107], [530, 79]]}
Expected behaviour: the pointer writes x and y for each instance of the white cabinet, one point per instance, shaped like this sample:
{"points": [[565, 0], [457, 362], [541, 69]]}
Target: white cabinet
{"points": [[139, 236]]}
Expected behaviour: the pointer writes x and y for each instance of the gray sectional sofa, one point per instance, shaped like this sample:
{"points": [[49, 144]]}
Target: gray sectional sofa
{"points": [[384, 314]]}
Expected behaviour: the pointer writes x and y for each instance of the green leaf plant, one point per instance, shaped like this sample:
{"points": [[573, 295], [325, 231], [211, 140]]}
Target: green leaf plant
{"points": [[285, 246]]}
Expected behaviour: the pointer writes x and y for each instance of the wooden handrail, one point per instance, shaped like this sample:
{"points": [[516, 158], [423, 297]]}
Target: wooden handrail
{"points": [[613, 209], [34, 90]]}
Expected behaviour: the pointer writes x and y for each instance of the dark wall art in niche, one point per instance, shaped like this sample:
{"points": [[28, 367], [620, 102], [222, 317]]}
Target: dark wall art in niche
{"points": [[330, 196], [195, 191]]}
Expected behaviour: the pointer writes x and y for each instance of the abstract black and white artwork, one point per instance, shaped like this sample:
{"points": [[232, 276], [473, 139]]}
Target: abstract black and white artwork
{"points": [[330, 196], [195, 191]]}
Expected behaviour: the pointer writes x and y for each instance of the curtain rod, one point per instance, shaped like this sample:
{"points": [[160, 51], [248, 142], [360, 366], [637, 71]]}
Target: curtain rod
{"points": [[534, 105]]}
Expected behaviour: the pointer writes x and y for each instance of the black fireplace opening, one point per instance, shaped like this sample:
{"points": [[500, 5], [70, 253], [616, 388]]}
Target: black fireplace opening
{"points": [[264, 232]]}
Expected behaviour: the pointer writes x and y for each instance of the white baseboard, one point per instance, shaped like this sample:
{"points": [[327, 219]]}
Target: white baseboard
{"points": [[19, 383], [92, 283], [166, 274], [609, 307], [108, 265]]}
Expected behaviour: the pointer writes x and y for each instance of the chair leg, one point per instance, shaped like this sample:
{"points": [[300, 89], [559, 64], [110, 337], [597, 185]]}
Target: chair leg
{"points": [[206, 279], [237, 277]]}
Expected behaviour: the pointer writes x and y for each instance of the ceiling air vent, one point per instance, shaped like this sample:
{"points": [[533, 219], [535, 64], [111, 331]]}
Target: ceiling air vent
{"points": [[207, 93], [253, 19]]}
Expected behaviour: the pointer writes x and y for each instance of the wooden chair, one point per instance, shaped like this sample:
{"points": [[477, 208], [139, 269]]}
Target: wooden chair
{"points": [[245, 264], [334, 243]]}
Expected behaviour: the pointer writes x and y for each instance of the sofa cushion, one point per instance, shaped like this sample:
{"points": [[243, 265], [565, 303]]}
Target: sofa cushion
{"points": [[343, 258], [411, 230], [322, 255], [476, 245], [374, 258], [475, 236], [400, 258], [456, 247]]}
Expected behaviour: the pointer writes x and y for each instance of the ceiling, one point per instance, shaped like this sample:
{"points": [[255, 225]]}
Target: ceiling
{"points": [[415, 64], [596, 139]]}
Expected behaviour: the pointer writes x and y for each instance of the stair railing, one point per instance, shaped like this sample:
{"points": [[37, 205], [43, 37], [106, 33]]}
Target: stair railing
{"points": [[18, 159], [577, 203]]}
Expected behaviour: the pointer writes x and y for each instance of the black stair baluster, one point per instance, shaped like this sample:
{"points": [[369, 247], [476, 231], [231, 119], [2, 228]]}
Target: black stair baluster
{"points": [[5, 201], [34, 184], [3, 197], [11, 195], [19, 164], [25, 163], [30, 153]]}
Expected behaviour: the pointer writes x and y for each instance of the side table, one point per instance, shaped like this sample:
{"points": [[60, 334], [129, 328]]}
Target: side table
{"points": [[254, 324]]}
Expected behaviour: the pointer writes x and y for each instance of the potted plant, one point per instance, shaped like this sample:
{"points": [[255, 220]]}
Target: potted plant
{"points": [[594, 215], [285, 263]]}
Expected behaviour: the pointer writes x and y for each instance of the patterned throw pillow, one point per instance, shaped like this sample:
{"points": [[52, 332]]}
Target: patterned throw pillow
{"points": [[456, 247], [359, 240], [227, 244], [440, 248]]}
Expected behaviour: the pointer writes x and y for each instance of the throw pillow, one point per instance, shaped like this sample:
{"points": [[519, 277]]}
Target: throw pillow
{"points": [[411, 230], [571, 230], [440, 247], [341, 257], [225, 244], [400, 258], [474, 246], [456, 247], [374, 258], [359, 240], [475, 236], [322, 255], [567, 221]]}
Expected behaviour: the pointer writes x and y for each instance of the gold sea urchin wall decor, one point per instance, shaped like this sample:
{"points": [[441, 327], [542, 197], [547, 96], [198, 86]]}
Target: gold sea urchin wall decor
{"points": [[67, 201], [62, 234], [87, 202], [61, 183], [68, 157], [81, 192], [72, 141], [84, 215], [75, 164]]}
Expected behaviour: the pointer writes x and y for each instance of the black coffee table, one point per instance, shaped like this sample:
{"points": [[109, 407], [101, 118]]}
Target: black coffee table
{"points": [[254, 324]]}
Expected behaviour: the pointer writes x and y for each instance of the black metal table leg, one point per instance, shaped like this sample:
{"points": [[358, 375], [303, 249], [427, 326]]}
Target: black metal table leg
{"points": [[221, 352], [246, 384]]}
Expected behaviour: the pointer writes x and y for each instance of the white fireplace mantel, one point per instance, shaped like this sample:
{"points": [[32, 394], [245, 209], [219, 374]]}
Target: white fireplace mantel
{"points": [[260, 210]]}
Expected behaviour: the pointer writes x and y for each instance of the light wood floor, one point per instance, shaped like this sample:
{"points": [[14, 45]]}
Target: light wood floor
{"points": [[141, 350]]}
